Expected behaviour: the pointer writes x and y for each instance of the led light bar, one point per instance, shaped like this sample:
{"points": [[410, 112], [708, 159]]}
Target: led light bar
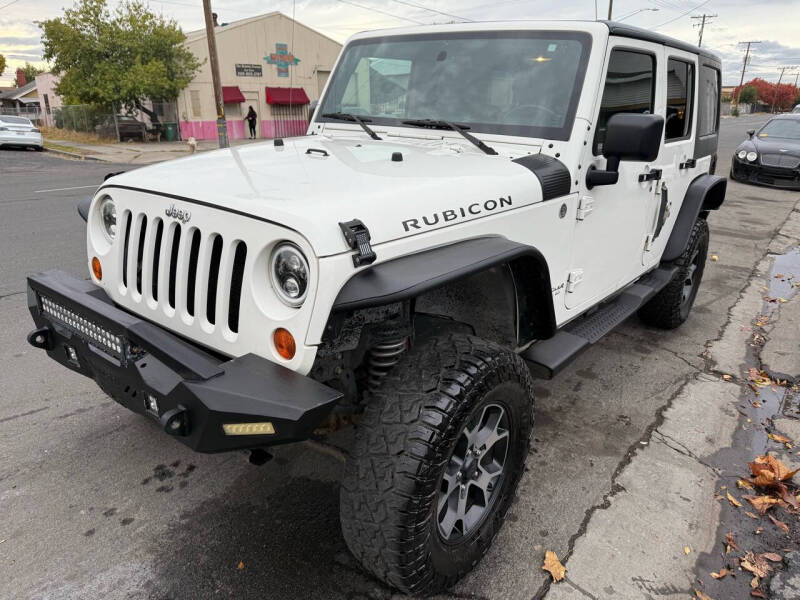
{"points": [[264, 428], [87, 329]]}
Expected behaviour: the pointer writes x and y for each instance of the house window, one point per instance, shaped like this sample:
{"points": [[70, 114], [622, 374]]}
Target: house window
{"points": [[46, 104], [630, 88], [680, 88], [194, 97]]}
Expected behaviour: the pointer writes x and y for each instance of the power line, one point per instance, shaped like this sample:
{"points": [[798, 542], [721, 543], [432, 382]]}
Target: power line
{"points": [[701, 5], [431, 10], [9, 4], [705, 18], [388, 14]]}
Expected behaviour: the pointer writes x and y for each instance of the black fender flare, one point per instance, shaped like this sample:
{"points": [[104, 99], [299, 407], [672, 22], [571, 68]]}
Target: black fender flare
{"points": [[409, 276], [705, 193], [83, 208]]}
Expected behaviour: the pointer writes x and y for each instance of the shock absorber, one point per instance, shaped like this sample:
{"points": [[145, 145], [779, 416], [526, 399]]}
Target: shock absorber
{"points": [[382, 357]]}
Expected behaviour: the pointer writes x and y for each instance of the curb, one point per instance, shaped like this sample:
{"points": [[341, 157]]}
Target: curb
{"points": [[72, 154]]}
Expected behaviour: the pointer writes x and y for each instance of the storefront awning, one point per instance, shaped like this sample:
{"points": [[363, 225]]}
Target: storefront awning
{"points": [[286, 95], [231, 94]]}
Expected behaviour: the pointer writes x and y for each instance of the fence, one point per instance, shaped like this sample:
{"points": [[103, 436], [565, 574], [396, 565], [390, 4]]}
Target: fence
{"points": [[29, 112], [156, 121]]}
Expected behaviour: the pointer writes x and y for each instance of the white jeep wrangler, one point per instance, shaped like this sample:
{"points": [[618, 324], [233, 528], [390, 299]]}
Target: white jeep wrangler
{"points": [[473, 205]]}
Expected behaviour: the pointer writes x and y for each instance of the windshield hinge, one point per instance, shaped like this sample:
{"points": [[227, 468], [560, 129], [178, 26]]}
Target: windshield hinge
{"points": [[358, 237], [585, 206], [573, 279]]}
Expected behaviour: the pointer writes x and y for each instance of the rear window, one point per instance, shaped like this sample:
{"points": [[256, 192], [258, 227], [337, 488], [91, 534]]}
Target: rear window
{"points": [[15, 120], [708, 101]]}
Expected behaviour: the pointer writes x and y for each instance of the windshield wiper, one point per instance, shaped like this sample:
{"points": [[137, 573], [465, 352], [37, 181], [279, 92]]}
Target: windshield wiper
{"points": [[434, 124], [340, 116]]}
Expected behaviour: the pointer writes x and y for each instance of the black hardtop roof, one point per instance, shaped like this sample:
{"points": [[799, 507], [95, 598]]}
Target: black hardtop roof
{"points": [[637, 33]]}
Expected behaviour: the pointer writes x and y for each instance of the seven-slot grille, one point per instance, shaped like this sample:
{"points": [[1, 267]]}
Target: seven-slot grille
{"points": [[183, 270], [95, 334], [780, 160]]}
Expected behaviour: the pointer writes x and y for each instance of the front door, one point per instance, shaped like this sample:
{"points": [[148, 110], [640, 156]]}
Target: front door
{"points": [[611, 228]]}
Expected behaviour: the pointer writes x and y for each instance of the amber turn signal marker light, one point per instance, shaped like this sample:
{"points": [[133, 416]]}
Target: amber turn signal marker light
{"points": [[264, 428], [284, 343], [97, 269]]}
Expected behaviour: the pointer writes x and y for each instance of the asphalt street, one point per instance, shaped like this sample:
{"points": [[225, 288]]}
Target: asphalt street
{"points": [[95, 502]]}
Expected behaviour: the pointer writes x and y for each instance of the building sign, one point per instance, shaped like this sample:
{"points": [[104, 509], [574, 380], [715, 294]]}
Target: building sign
{"points": [[248, 70], [283, 58]]}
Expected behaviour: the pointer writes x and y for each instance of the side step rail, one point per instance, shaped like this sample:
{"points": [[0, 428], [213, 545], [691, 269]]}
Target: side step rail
{"points": [[548, 357]]}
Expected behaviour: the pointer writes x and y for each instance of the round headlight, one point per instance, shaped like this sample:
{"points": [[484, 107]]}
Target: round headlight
{"points": [[288, 272], [742, 154], [108, 218], [752, 156]]}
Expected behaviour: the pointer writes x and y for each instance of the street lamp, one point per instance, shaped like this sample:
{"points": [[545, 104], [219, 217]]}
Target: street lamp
{"points": [[636, 12]]}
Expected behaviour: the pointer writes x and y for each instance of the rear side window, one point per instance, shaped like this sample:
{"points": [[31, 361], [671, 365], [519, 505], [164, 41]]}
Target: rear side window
{"points": [[680, 89], [630, 88], [708, 101]]}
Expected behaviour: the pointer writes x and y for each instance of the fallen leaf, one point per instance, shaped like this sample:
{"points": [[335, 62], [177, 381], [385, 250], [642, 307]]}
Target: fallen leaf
{"points": [[743, 483], [714, 257], [553, 566], [686, 550], [754, 582], [780, 525], [240, 566], [727, 377], [768, 462], [762, 503], [730, 542], [701, 596], [773, 556], [733, 501], [779, 438], [751, 515], [757, 594], [722, 573], [757, 565]]}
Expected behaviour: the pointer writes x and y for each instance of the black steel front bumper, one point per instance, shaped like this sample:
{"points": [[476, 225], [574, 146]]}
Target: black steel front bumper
{"points": [[196, 393], [762, 175]]}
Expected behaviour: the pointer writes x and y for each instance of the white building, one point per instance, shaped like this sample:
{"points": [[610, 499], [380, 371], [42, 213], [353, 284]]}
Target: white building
{"points": [[270, 62]]}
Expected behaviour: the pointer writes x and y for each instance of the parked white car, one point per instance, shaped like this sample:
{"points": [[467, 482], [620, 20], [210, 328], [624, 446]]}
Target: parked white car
{"points": [[473, 206], [19, 131]]}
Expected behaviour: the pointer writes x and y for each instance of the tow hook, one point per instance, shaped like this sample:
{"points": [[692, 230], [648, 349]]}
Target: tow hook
{"points": [[176, 421], [40, 338]]}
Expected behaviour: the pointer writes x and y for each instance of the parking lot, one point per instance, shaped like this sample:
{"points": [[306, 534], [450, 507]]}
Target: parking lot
{"points": [[96, 502]]}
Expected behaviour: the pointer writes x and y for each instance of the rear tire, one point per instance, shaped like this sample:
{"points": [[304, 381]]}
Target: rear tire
{"points": [[439, 453], [671, 306]]}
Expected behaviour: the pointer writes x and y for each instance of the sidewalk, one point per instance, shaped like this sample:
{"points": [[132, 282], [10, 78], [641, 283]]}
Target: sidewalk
{"points": [[136, 153]]}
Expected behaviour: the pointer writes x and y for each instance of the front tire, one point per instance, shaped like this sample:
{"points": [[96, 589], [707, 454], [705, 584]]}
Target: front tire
{"points": [[671, 306], [438, 456]]}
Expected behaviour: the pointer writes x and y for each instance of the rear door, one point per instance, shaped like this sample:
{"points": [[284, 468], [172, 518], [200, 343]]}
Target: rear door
{"points": [[677, 102], [610, 230]]}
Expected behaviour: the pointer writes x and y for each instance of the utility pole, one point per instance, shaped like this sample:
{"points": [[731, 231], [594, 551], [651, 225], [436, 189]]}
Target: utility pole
{"points": [[704, 18], [778, 87], [744, 67], [213, 61], [610, 7]]}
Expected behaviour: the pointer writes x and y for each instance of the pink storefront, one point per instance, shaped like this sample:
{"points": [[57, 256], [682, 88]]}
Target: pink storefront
{"points": [[286, 108]]}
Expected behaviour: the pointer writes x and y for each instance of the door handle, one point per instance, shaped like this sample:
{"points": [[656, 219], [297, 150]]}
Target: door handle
{"points": [[652, 175], [689, 163]]}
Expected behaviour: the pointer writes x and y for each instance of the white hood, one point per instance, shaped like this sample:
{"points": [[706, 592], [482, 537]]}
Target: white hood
{"points": [[437, 183]]}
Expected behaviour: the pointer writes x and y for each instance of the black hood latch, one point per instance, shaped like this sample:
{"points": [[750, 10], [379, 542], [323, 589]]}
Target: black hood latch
{"points": [[358, 237]]}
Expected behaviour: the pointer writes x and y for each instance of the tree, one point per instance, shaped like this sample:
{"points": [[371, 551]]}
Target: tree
{"points": [[30, 71], [117, 57], [748, 95], [2, 64], [765, 93]]}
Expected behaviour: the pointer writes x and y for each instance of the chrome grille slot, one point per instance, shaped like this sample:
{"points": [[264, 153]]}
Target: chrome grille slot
{"points": [[173, 263], [191, 282], [140, 252], [127, 219], [156, 258], [213, 278]]}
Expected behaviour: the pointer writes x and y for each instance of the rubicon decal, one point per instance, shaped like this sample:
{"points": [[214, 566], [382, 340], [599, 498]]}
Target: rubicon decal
{"points": [[462, 212]]}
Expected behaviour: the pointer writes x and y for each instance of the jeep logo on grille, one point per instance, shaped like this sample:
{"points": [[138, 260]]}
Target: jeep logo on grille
{"points": [[182, 215]]}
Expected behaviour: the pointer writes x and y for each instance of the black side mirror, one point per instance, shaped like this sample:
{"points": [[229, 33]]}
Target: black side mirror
{"points": [[751, 133], [629, 136]]}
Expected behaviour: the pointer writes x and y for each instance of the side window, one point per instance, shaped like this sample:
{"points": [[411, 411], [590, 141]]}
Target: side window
{"points": [[630, 88], [708, 101], [680, 89]]}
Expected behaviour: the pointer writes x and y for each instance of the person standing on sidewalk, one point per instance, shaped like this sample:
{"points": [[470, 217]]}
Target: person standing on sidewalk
{"points": [[251, 122]]}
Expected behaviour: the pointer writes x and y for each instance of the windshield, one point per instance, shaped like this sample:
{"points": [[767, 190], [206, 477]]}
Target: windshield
{"points": [[524, 83], [781, 128], [15, 120]]}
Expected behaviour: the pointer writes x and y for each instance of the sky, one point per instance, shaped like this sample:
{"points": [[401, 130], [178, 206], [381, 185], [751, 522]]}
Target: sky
{"points": [[774, 23]]}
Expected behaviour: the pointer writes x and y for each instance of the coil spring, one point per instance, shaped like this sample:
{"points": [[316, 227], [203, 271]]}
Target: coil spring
{"points": [[382, 357]]}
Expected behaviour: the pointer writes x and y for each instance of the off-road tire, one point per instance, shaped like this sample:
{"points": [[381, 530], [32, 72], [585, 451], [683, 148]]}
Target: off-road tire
{"points": [[405, 439], [670, 307]]}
